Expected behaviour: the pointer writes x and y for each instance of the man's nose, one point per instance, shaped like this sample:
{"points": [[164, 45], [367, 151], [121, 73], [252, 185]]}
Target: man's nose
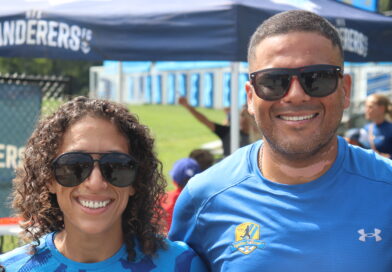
{"points": [[296, 93]]}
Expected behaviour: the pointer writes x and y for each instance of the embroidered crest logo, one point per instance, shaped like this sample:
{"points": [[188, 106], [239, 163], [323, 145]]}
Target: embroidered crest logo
{"points": [[247, 237]]}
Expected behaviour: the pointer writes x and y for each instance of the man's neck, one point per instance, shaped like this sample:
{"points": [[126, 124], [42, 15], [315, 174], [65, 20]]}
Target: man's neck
{"points": [[283, 169]]}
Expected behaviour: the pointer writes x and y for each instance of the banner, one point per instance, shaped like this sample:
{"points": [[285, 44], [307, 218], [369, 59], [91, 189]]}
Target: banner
{"points": [[20, 107]]}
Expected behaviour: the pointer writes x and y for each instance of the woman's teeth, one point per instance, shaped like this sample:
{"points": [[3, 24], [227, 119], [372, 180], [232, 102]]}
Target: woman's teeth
{"points": [[94, 204]]}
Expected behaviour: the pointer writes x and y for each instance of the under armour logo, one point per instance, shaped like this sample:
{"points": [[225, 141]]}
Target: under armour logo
{"points": [[364, 235]]}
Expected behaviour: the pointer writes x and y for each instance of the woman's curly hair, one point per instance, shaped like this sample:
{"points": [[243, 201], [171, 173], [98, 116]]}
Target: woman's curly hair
{"points": [[38, 208]]}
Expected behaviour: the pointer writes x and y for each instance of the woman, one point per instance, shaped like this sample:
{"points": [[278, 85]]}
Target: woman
{"points": [[89, 195], [379, 130]]}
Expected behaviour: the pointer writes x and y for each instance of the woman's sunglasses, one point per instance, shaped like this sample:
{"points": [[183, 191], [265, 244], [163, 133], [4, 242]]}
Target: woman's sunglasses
{"points": [[316, 80], [72, 168]]}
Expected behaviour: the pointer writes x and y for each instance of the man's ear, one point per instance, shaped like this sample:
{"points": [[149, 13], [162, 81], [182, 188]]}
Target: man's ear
{"points": [[347, 90], [249, 97]]}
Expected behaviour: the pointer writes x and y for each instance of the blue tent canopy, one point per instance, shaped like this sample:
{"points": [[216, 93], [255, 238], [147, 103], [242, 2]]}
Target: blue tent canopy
{"points": [[176, 30]]}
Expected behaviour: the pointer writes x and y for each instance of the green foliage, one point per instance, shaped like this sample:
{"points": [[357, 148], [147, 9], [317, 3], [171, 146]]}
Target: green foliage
{"points": [[9, 242], [176, 131], [384, 5], [77, 70]]}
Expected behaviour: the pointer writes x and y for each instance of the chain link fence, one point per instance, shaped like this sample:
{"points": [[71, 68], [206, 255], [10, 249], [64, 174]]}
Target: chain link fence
{"points": [[23, 101]]}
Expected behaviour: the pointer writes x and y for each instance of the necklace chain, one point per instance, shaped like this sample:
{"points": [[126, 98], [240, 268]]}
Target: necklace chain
{"points": [[260, 160]]}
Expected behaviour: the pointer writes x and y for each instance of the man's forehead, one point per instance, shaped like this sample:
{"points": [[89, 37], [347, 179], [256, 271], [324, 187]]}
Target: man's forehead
{"points": [[296, 42]]}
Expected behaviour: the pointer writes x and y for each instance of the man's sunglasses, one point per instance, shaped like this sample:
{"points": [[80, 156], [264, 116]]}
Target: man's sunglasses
{"points": [[72, 168], [316, 80]]}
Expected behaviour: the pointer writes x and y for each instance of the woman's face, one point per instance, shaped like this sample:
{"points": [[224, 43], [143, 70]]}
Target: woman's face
{"points": [[95, 206], [373, 111]]}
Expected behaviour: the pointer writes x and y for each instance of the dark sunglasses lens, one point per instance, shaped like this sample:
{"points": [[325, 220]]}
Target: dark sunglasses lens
{"points": [[72, 169], [118, 169], [271, 85], [319, 83]]}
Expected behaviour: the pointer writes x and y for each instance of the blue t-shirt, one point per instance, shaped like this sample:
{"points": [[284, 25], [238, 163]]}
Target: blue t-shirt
{"points": [[177, 257], [382, 137], [237, 220]]}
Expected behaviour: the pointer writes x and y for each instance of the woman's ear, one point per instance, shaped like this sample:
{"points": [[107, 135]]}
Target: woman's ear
{"points": [[52, 187], [132, 191]]}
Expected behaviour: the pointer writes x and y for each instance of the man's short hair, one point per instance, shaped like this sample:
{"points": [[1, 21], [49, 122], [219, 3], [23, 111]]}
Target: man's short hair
{"points": [[294, 21]]}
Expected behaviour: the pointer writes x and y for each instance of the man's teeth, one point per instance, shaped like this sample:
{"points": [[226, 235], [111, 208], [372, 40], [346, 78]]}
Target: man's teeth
{"points": [[94, 204], [297, 118]]}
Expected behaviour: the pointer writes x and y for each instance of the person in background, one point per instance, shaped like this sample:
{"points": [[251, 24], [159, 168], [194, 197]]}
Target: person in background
{"points": [[203, 157], [88, 196], [353, 136], [222, 131], [378, 110], [302, 199], [181, 172]]}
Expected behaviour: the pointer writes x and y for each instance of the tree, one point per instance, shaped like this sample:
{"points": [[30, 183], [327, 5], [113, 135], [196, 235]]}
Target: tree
{"points": [[77, 70], [385, 6]]}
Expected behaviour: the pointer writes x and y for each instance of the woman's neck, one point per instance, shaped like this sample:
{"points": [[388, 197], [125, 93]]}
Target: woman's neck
{"points": [[83, 248], [379, 120]]}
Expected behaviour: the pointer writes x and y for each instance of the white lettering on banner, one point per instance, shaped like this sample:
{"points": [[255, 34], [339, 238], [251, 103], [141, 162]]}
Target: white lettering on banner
{"points": [[42, 29], [8, 32], [63, 35], [52, 34], [10, 156], [20, 28], [35, 31], [354, 41], [31, 31]]}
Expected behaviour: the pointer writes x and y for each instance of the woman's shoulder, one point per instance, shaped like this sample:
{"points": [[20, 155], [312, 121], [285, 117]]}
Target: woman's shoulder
{"points": [[13, 260], [19, 257]]}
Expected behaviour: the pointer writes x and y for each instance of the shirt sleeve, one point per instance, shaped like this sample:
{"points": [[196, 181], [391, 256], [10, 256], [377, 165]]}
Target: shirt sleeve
{"points": [[184, 222], [198, 265]]}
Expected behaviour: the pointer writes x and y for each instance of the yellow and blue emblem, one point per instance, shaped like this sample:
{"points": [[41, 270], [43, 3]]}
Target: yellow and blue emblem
{"points": [[247, 237]]}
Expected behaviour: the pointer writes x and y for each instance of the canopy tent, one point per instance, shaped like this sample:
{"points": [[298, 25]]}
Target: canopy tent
{"points": [[170, 30]]}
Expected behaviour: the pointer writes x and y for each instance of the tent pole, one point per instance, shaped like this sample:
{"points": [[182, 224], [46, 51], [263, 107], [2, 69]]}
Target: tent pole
{"points": [[120, 88], [234, 119]]}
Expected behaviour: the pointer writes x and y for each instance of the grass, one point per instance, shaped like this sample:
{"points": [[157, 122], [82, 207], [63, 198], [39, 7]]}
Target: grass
{"points": [[176, 131]]}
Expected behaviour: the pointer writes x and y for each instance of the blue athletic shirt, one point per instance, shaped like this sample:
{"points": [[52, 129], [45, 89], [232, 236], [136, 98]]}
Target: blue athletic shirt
{"points": [[239, 221], [177, 257]]}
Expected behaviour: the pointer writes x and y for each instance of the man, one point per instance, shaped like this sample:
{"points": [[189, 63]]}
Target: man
{"points": [[222, 131], [302, 199]]}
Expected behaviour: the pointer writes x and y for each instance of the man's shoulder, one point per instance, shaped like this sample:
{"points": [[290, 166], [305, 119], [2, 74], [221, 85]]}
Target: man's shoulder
{"points": [[369, 165]]}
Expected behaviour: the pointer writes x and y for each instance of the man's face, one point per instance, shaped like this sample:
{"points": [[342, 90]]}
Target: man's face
{"points": [[297, 124]]}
